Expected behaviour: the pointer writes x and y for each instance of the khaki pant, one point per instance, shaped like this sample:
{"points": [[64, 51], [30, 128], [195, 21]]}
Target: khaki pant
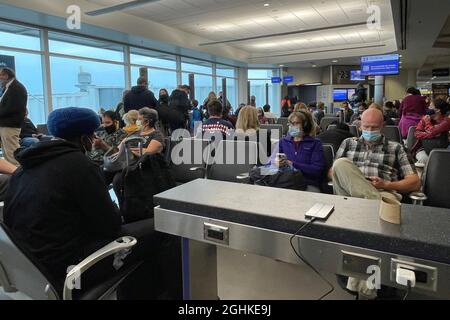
{"points": [[10, 143], [348, 181]]}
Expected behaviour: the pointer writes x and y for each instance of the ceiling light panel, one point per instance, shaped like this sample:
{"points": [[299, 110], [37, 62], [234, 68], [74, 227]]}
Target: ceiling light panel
{"points": [[310, 17], [330, 11]]}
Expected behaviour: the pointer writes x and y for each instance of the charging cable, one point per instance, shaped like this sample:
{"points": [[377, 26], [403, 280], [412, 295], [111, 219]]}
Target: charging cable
{"points": [[303, 259], [407, 278]]}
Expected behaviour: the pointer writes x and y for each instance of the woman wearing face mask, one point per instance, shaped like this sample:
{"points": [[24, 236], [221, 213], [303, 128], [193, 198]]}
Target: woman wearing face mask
{"points": [[154, 140], [108, 138], [302, 151], [431, 127]]}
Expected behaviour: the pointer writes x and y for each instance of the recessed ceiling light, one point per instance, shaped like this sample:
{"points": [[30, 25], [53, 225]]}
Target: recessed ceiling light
{"points": [[266, 4], [335, 61], [314, 65], [401, 56], [281, 65]]}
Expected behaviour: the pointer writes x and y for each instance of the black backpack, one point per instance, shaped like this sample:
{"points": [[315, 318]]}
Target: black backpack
{"points": [[283, 179], [139, 183]]}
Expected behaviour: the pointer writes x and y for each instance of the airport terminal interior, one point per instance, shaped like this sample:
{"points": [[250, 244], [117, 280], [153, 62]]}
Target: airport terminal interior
{"points": [[224, 150]]}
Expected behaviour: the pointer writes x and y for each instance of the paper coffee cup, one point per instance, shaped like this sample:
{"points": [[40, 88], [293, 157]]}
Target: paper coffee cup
{"points": [[390, 211]]}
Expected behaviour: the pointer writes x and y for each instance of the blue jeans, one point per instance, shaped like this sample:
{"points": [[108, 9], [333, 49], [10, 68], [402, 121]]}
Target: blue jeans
{"points": [[28, 142]]}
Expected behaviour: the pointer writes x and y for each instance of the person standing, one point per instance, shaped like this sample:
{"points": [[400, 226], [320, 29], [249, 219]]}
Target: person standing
{"points": [[140, 97], [13, 107], [412, 109]]}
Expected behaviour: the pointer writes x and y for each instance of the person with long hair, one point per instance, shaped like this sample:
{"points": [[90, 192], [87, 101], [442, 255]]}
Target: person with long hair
{"points": [[248, 124]]}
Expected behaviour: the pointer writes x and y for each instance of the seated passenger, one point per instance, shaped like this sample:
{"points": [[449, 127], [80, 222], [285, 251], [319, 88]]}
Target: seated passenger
{"points": [[73, 214], [302, 151], [108, 138], [261, 117], [130, 119], [356, 117], [371, 167], [432, 127], [301, 107], [197, 115], [73, 210], [268, 114], [215, 122], [390, 111], [387, 121], [154, 139], [335, 137], [248, 125], [29, 134], [319, 114], [347, 112]]}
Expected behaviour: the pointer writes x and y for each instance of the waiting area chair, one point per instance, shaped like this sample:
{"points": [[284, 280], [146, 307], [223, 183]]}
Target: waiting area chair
{"points": [[275, 129], [284, 122], [233, 161], [411, 139], [325, 122], [436, 176], [186, 156], [19, 272], [354, 131], [392, 133]]}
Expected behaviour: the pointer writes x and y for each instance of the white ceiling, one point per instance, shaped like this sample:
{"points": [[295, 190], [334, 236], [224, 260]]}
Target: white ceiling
{"points": [[219, 20]]}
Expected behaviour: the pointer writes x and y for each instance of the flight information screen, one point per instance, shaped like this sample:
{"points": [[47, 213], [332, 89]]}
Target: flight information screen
{"points": [[380, 65]]}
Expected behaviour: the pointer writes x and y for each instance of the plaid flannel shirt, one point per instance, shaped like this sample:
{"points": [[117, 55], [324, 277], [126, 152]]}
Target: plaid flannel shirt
{"points": [[387, 160]]}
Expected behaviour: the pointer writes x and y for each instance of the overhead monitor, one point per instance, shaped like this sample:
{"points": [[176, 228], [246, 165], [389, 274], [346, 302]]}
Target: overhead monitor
{"points": [[355, 75], [380, 65], [340, 95]]}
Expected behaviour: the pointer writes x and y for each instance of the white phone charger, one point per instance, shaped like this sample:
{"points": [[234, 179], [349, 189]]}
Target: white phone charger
{"points": [[404, 276]]}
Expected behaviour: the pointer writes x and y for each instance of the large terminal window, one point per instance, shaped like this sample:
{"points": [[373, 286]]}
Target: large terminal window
{"points": [[258, 79], [66, 70], [85, 73], [161, 67], [22, 44], [203, 71], [230, 74]]}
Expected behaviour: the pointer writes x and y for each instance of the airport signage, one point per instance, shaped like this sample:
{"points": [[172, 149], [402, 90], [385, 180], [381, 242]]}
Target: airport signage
{"points": [[288, 79], [380, 65], [276, 80]]}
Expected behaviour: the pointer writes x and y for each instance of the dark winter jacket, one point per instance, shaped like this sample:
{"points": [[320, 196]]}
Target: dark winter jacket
{"points": [[58, 206], [13, 106], [139, 97]]}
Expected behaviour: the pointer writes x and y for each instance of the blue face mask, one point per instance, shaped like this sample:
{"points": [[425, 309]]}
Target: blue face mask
{"points": [[371, 136], [295, 132]]}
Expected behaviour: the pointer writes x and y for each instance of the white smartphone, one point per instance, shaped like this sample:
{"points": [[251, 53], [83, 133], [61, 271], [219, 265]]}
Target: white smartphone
{"points": [[320, 211]]}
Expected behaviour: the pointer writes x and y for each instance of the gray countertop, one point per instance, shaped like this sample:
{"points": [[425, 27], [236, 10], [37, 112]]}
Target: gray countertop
{"points": [[424, 233]]}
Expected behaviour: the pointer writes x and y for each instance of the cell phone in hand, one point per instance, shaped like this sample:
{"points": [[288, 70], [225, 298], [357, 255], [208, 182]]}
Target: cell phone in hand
{"points": [[281, 156]]}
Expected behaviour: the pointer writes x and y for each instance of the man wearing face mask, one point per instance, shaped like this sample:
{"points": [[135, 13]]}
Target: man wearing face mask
{"points": [[110, 137], [372, 167]]}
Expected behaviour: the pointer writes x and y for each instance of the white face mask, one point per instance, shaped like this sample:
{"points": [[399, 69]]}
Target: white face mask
{"points": [[139, 123]]}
